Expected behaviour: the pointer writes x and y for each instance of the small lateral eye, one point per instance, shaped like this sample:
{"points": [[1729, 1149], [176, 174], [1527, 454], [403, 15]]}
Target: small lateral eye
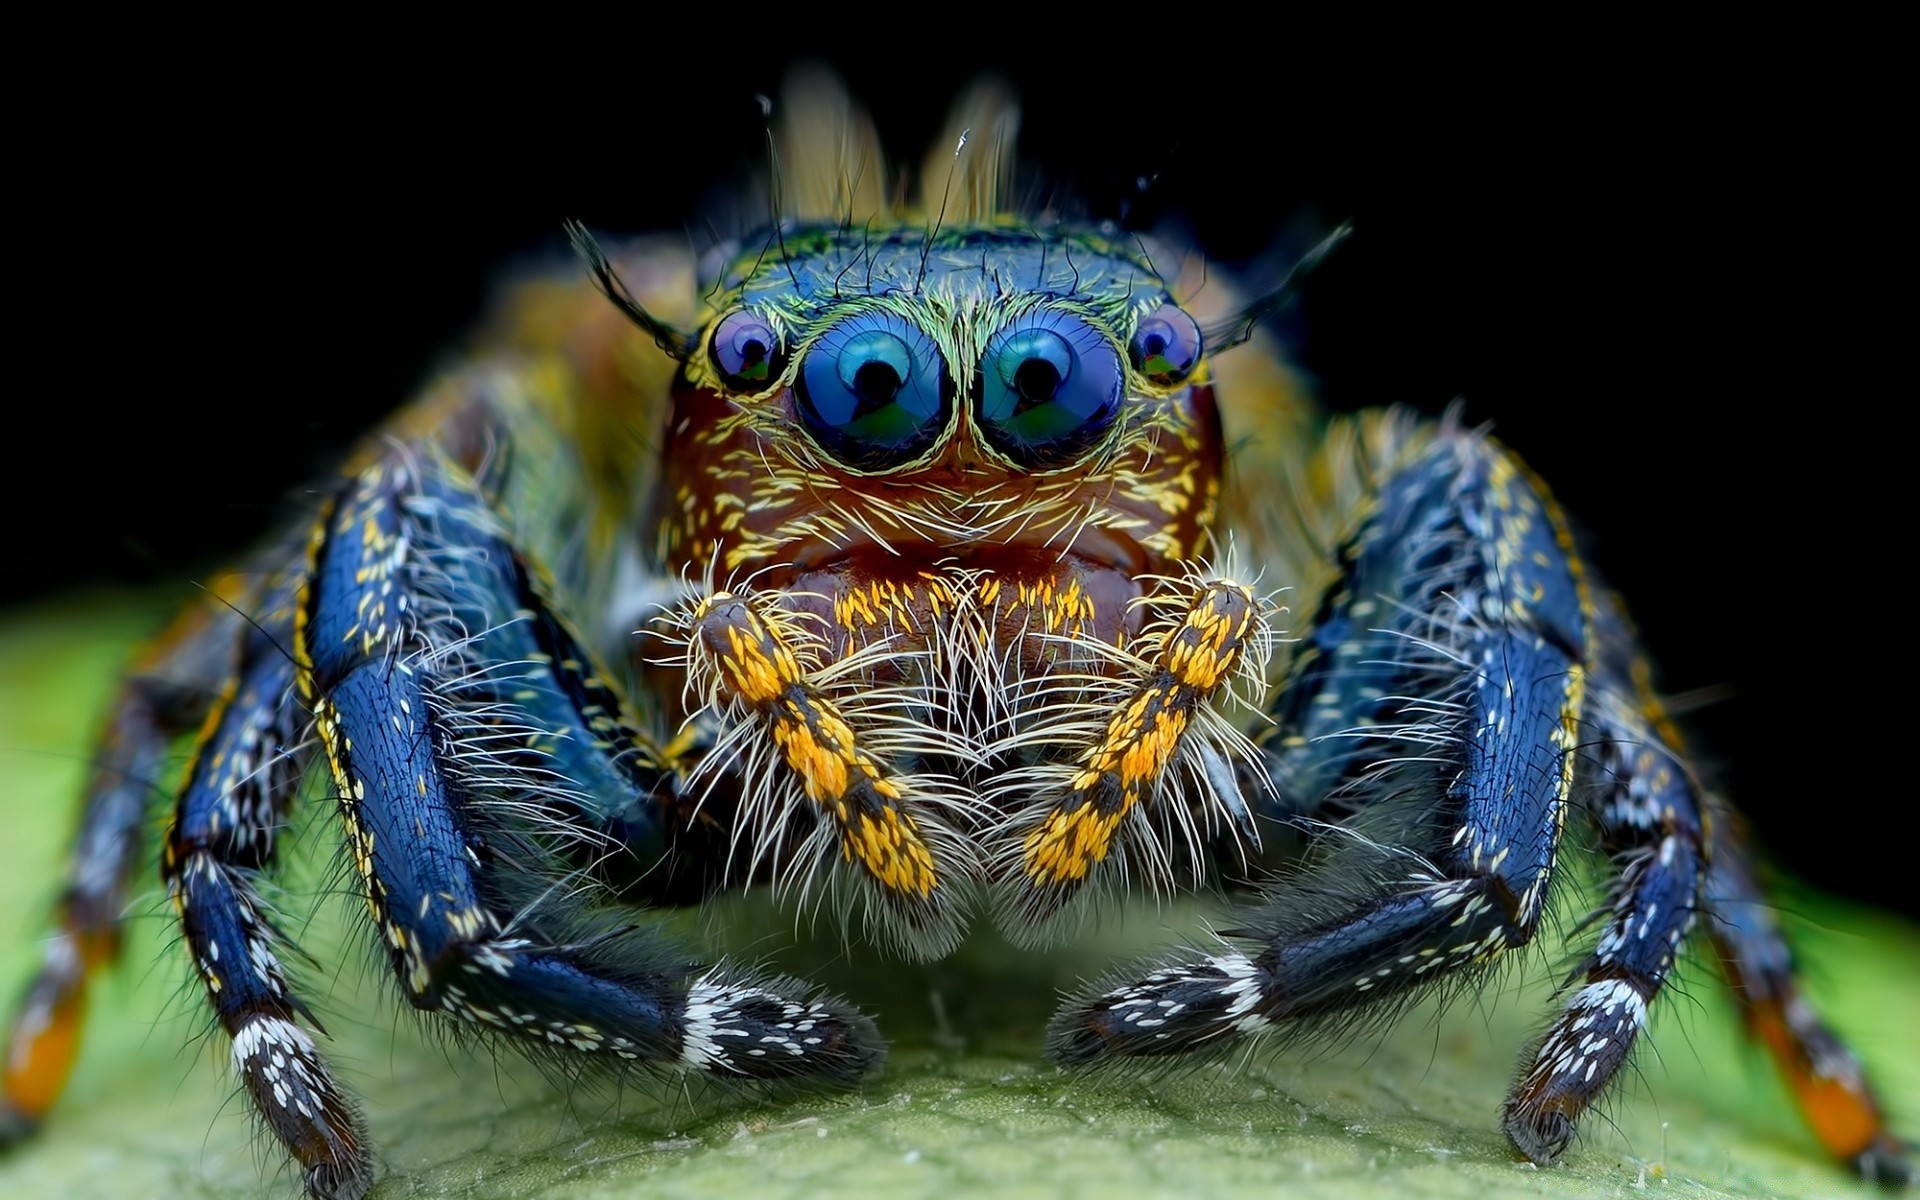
{"points": [[874, 391], [746, 352], [1050, 387], [1166, 346]]}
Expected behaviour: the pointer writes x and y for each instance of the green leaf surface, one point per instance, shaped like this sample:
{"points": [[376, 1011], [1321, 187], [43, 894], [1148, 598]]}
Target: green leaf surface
{"points": [[965, 1104]]}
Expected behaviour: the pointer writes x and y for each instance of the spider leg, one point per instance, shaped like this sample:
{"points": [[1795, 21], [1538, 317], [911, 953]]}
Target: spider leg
{"points": [[465, 730], [1436, 696], [226, 820], [1822, 1073], [166, 694], [1650, 819], [1683, 851]]}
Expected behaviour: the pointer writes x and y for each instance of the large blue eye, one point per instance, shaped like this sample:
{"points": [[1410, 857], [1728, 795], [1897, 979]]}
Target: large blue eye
{"points": [[1050, 386], [874, 391], [1166, 346]]}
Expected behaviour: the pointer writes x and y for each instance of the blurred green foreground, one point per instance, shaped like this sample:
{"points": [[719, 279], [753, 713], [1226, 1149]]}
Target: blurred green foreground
{"points": [[965, 1105]]}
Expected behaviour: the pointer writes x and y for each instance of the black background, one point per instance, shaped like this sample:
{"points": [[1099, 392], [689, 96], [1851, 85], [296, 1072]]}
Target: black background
{"points": [[1626, 274]]}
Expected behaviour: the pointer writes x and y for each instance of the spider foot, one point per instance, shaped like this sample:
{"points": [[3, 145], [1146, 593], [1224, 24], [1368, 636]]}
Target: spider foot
{"points": [[775, 1030], [1176, 1009], [297, 1098], [1578, 1057]]}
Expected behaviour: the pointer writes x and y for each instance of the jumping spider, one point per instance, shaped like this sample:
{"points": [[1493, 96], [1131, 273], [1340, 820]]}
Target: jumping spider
{"points": [[953, 603]]}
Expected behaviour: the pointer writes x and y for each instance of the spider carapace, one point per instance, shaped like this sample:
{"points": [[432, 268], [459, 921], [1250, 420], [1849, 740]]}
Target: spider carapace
{"points": [[932, 562]]}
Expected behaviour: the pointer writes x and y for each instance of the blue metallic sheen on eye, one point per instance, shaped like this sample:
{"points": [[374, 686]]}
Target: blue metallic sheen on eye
{"points": [[1166, 346], [747, 352], [874, 391], [1050, 387]]}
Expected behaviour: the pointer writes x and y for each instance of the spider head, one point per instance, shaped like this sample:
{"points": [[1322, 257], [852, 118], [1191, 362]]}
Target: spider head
{"points": [[986, 351], [988, 384]]}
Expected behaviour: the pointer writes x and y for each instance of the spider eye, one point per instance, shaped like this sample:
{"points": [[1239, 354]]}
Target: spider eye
{"points": [[1166, 346], [874, 391], [746, 352], [1050, 385]]}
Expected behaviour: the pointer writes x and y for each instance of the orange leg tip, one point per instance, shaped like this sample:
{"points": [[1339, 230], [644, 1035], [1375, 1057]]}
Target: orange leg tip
{"points": [[1841, 1112], [39, 1060], [1846, 1123], [34, 1088]]}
